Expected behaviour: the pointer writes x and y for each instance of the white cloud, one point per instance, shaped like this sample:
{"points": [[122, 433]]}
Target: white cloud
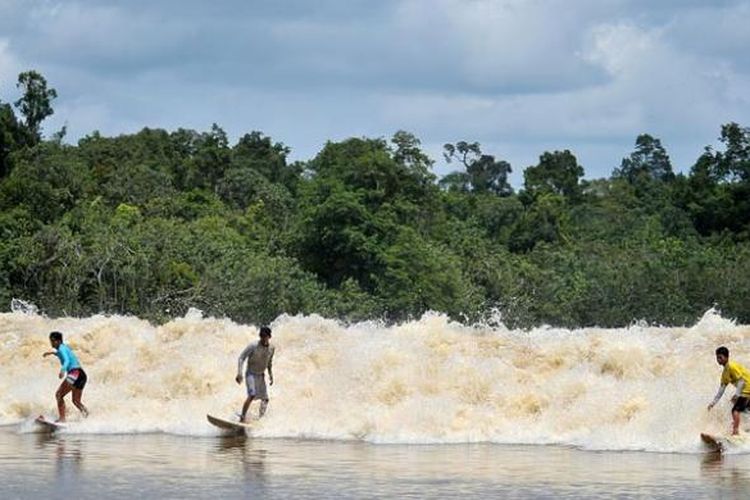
{"points": [[521, 76], [716, 31], [9, 65], [678, 90], [617, 48], [101, 37], [521, 46]]}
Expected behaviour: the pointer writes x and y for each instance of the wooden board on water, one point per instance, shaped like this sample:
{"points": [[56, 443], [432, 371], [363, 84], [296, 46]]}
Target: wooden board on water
{"points": [[227, 425], [48, 424], [713, 442], [722, 443]]}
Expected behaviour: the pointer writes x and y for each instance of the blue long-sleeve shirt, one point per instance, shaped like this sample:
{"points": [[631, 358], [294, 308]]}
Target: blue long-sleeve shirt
{"points": [[68, 360]]}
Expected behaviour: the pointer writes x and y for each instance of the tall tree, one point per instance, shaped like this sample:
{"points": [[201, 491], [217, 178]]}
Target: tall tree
{"points": [[36, 102], [485, 172], [211, 159], [257, 152], [408, 153], [9, 137], [649, 161], [557, 173], [717, 191], [734, 161]]}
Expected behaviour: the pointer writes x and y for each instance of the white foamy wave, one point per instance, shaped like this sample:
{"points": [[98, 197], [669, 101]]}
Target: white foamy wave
{"points": [[23, 307], [426, 381]]}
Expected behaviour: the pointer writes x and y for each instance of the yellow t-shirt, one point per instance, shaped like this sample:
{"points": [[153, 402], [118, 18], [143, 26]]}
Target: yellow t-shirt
{"points": [[732, 373]]}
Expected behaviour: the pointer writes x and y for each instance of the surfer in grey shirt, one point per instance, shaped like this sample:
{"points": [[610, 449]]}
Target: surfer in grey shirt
{"points": [[259, 356]]}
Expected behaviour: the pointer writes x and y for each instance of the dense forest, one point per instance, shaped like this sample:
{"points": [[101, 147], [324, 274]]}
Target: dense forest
{"points": [[156, 222]]}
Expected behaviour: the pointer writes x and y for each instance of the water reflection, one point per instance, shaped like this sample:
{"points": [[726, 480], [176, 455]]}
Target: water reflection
{"points": [[729, 472], [240, 449], [127, 466], [68, 463]]}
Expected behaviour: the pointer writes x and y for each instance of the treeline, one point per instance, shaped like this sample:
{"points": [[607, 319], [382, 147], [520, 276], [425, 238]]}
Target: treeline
{"points": [[156, 222]]}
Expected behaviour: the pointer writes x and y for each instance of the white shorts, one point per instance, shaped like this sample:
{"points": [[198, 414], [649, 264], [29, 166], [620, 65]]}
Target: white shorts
{"points": [[256, 386]]}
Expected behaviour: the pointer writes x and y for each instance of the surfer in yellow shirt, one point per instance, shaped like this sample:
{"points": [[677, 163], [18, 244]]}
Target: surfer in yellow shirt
{"points": [[737, 375]]}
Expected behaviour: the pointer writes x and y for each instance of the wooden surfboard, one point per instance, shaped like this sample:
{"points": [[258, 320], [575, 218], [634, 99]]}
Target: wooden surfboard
{"points": [[712, 442], [227, 425], [48, 424], [722, 443]]}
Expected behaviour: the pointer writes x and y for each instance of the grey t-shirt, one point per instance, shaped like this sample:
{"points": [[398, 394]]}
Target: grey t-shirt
{"points": [[259, 358]]}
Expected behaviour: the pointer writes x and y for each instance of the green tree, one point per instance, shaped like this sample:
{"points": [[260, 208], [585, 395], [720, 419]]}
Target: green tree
{"points": [[369, 165], [556, 173], [485, 173], [350, 209], [36, 102], [257, 152], [211, 159], [649, 162], [457, 182], [11, 137], [734, 162], [47, 180], [407, 152], [338, 237], [543, 221], [419, 276], [717, 191]]}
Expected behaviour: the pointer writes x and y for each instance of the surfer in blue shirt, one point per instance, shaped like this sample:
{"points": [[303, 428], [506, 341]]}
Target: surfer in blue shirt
{"points": [[74, 377]]}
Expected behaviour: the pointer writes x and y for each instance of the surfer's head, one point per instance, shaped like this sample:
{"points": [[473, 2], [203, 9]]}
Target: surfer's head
{"points": [[265, 335], [722, 355], [55, 339]]}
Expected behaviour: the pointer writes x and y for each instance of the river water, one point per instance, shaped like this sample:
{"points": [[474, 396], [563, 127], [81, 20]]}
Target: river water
{"points": [[165, 466], [428, 408]]}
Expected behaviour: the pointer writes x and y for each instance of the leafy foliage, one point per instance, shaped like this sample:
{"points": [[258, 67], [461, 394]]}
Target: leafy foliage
{"points": [[155, 222], [483, 173], [35, 104]]}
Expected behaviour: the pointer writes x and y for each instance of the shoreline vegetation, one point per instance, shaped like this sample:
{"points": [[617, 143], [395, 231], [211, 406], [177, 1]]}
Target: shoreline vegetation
{"points": [[156, 222]]}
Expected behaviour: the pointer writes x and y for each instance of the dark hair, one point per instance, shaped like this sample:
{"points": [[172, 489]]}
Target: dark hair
{"points": [[55, 336], [723, 351], [265, 331]]}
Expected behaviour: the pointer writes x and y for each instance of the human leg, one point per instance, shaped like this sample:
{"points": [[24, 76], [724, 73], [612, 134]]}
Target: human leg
{"points": [[251, 394], [735, 422], [740, 404], [77, 393], [64, 389], [78, 385], [245, 407], [261, 392]]}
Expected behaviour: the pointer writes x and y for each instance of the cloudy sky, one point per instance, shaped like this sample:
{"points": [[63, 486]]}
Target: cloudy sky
{"points": [[519, 76]]}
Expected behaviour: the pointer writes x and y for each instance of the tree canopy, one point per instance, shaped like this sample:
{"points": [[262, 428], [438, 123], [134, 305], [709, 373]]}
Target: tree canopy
{"points": [[158, 221]]}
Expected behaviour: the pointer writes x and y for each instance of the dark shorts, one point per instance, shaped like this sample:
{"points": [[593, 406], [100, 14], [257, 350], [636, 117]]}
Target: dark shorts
{"points": [[742, 404], [77, 378]]}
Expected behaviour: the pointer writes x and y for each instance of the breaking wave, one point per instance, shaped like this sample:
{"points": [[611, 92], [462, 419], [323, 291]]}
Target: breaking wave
{"points": [[426, 381]]}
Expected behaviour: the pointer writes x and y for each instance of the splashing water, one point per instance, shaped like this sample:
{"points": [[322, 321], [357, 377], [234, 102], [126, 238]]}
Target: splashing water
{"points": [[21, 306], [426, 381]]}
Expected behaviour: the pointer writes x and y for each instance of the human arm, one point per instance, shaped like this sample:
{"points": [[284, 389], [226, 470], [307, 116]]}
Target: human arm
{"points": [[66, 360], [49, 353], [270, 367], [718, 396], [241, 360]]}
